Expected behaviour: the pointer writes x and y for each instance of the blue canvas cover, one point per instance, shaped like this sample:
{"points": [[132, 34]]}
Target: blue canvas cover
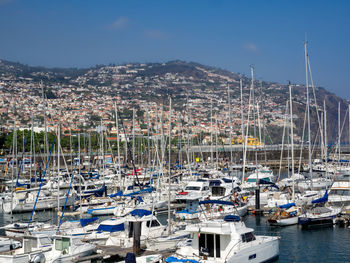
{"points": [[111, 228], [286, 206], [86, 221], [323, 199], [140, 212]]}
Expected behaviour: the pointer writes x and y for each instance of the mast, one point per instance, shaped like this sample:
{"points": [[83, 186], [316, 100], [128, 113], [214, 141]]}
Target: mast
{"points": [[339, 135], [292, 137], [148, 139], [325, 136], [45, 126], [257, 191], [216, 144], [31, 151], [70, 145], [133, 133], [81, 211], [229, 119], [14, 140], [169, 215], [242, 128], [58, 170], [118, 145], [308, 109], [211, 132]]}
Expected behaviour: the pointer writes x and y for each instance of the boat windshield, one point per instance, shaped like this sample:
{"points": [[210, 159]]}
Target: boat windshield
{"points": [[192, 188], [62, 244], [44, 241], [248, 237]]}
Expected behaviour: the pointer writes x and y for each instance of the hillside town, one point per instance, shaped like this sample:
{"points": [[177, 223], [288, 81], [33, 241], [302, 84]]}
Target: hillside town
{"points": [[83, 102]]}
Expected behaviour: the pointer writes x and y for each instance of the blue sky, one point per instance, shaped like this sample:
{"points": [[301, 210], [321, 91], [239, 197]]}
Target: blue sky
{"points": [[227, 34]]}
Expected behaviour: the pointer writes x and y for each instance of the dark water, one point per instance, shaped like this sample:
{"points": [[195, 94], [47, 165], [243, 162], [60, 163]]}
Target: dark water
{"points": [[330, 244]]}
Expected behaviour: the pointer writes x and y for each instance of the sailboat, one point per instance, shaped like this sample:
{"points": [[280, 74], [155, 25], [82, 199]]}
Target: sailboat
{"points": [[319, 215], [287, 214]]}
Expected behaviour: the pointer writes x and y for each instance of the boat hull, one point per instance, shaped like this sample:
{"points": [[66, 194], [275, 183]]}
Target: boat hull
{"points": [[284, 221]]}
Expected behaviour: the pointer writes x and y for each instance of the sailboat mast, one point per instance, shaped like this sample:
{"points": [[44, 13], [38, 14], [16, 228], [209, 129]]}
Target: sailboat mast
{"points": [[14, 139], [325, 136], [308, 109], [229, 119], [257, 191], [216, 144], [211, 132], [169, 165], [242, 129], [254, 117], [118, 144], [133, 134], [292, 137], [58, 170], [339, 135], [81, 211], [148, 138], [45, 126], [31, 151]]}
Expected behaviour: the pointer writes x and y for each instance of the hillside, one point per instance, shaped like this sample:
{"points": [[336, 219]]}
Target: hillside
{"points": [[154, 82]]}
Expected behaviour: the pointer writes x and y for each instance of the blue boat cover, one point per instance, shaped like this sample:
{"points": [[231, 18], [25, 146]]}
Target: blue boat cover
{"points": [[95, 192], [232, 218], [323, 199], [174, 259], [287, 205], [86, 221], [140, 212], [120, 193], [111, 228], [219, 202]]}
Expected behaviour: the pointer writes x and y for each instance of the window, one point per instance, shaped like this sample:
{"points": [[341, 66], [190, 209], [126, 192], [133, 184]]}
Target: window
{"points": [[248, 237], [58, 244], [206, 241], [154, 223], [192, 188], [217, 191], [217, 245], [45, 241]]}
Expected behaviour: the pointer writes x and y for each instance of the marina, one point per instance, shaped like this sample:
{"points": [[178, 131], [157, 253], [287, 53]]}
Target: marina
{"points": [[174, 131]]}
